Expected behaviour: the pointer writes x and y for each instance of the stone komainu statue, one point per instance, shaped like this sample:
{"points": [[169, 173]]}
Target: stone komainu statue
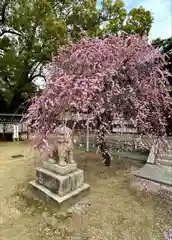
{"points": [[63, 143]]}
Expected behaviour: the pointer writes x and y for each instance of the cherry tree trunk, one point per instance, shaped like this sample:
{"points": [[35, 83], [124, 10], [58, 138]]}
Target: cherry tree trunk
{"points": [[104, 148]]}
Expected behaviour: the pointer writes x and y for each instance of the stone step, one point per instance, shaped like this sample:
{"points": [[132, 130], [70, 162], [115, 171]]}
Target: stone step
{"points": [[164, 156], [165, 149], [153, 187], [156, 173], [169, 151], [164, 162]]}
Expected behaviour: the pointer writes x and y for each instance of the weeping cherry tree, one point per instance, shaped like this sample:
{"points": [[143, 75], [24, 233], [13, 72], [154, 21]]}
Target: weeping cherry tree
{"points": [[118, 77]]}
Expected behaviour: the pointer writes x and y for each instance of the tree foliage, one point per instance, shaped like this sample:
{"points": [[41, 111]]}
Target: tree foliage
{"points": [[116, 77], [139, 21], [165, 46], [39, 34], [33, 31]]}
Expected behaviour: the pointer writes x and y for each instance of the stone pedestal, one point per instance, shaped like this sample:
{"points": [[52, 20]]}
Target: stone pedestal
{"points": [[59, 169], [59, 184]]}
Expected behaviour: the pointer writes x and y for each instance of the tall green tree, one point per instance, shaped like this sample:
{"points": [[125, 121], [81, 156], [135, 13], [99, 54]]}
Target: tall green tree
{"points": [[139, 21], [83, 16], [112, 17], [35, 33]]}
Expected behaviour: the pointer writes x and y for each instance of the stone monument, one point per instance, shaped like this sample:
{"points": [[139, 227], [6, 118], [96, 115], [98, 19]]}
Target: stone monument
{"points": [[59, 179]]}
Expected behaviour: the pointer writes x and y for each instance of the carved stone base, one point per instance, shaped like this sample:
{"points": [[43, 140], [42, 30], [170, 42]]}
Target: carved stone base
{"points": [[58, 187], [57, 201], [58, 184], [59, 169]]}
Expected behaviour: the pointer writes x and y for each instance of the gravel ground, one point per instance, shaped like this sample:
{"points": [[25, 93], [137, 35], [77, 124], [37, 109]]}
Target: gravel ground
{"points": [[110, 212]]}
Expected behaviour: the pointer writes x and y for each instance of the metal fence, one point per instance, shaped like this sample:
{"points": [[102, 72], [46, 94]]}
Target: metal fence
{"points": [[125, 142], [9, 123]]}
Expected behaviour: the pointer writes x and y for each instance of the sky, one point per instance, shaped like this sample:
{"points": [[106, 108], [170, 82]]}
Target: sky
{"points": [[162, 13]]}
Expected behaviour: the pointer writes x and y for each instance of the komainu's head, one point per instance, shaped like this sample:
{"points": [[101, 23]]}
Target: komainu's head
{"points": [[63, 134]]}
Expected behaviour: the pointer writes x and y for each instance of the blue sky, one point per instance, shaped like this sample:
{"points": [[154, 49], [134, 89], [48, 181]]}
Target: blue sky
{"points": [[162, 13]]}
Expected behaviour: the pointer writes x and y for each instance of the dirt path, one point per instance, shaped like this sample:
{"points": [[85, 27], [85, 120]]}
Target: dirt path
{"points": [[110, 212]]}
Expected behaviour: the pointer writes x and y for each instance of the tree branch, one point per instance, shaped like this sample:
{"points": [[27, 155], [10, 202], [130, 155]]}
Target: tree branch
{"points": [[11, 31], [37, 75], [3, 25], [33, 69], [3, 19]]}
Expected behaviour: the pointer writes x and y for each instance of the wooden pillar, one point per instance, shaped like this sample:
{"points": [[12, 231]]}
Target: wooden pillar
{"points": [[15, 132]]}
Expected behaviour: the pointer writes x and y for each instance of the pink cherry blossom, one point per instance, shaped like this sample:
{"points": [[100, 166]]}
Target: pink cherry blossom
{"points": [[116, 77]]}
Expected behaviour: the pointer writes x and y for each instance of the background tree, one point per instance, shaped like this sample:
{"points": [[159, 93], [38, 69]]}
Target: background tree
{"points": [[116, 77], [114, 18], [156, 41], [139, 21], [165, 46], [24, 54]]}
